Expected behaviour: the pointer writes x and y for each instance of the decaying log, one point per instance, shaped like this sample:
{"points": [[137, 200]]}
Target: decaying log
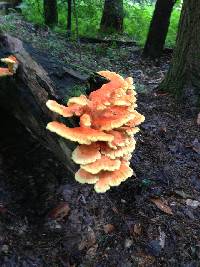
{"points": [[25, 95]]}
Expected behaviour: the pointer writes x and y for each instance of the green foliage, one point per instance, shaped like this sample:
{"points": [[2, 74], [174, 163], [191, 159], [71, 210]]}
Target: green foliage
{"points": [[76, 90], [89, 15], [137, 20], [7, 25], [137, 17], [171, 36], [33, 10]]}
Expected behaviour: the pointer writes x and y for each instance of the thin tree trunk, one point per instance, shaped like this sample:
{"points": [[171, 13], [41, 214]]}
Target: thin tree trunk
{"points": [[158, 28], [185, 67], [50, 12], [69, 17], [112, 18]]}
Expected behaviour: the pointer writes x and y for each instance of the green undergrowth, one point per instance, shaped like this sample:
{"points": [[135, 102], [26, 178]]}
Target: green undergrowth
{"points": [[137, 18], [8, 25], [76, 90]]}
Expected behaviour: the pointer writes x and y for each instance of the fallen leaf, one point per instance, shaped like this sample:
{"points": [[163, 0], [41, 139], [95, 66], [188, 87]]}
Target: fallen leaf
{"points": [[192, 203], [182, 194], [128, 243], [163, 129], [162, 205], [137, 229], [115, 210], [108, 228], [91, 252], [91, 237], [60, 212], [88, 239], [161, 93], [198, 119], [162, 238]]}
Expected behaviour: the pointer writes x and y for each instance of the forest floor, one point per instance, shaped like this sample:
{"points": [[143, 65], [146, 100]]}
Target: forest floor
{"points": [[49, 220]]}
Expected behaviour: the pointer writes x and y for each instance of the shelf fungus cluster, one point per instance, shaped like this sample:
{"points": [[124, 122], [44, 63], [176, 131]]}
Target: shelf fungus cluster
{"points": [[11, 68], [108, 122]]}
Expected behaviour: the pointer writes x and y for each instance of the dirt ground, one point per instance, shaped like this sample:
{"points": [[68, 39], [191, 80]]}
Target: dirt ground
{"points": [[49, 220]]}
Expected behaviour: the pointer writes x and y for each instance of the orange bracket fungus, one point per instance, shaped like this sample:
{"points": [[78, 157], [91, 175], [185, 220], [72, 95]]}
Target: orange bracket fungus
{"points": [[108, 122], [12, 64]]}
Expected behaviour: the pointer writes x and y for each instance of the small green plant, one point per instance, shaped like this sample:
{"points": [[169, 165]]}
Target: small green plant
{"points": [[8, 24], [76, 90]]}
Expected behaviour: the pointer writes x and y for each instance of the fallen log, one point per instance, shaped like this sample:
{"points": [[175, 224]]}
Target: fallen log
{"points": [[93, 40], [25, 95]]}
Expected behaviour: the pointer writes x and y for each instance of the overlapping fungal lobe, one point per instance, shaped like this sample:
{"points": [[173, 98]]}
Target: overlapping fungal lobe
{"points": [[5, 72], [12, 64], [119, 152], [108, 122], [85, 154], [82, 135], [104, 163], [67, 112]]}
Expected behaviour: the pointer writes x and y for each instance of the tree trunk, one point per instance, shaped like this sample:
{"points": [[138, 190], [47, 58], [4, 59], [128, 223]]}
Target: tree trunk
{"points": [[25, 95], [185, 67], [158, 28], [112, 18], [50, 12], [69, 17]]}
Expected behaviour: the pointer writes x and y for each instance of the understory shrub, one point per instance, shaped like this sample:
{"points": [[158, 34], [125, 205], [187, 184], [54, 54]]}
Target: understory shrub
{"points": [[137, 17]]}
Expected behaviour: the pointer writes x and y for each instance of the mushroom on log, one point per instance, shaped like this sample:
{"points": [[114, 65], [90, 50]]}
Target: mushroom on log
{"points": [[25, 93]]}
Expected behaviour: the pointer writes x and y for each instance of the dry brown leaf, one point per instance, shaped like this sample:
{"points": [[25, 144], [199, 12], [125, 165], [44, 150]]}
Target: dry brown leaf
{"points": [[161, 93], [163, 129], [60, 211], [108, 228], [88, 239], [91, 252], [162, 205], [198, 119], [137, 229], [115, 210]]}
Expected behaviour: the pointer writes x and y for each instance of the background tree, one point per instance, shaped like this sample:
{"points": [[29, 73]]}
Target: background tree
{"points": [[185, 67], [112, 18], [158, 28], [69, 17], [50, 12]]}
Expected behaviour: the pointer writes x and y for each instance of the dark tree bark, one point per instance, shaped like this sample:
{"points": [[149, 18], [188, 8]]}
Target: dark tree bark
{"points": [[112, 18], [69, 17], [185, 67], [50, 12], [158, 28]]}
